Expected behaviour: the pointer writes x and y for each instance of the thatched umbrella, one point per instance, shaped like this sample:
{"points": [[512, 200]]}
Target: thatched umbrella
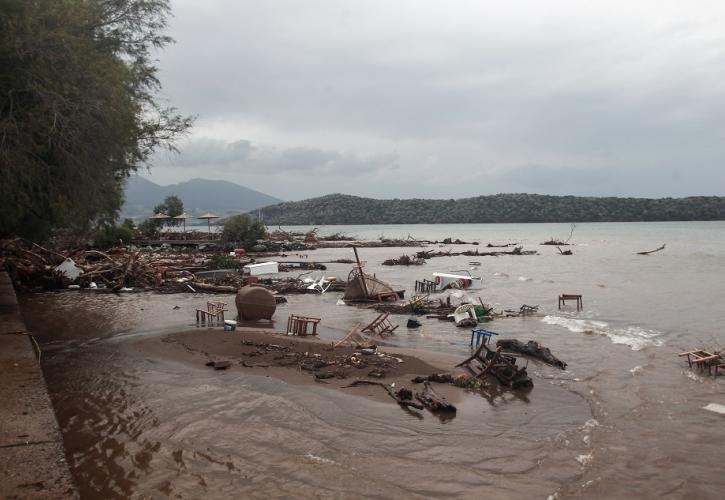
{"points": [[162, 217], [183, 217], [208, 216]]}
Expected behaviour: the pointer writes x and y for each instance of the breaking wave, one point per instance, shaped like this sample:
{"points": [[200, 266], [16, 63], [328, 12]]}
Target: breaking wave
{"points": [[633, 336]]}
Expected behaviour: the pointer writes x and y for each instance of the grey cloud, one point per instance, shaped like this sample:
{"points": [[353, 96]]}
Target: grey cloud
{"points": [[597, 94], [244, 157]]}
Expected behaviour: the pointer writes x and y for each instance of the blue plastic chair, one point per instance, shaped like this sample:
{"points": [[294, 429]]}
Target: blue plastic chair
{"points": [[479, 333]]}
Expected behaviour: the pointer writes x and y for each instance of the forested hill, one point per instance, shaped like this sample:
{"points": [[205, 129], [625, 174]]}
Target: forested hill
{"points": [[346, 209]]}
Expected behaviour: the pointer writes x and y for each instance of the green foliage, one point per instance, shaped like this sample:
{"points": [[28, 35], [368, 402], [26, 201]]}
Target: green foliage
{"points": [[417, 308], [149, 228], [77, 109], [344, 209], [171, 206], [113, 235], [223, 262], [242, 230]]}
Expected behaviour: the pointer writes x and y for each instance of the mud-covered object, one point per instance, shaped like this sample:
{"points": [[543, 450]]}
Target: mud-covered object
{"points": [[254, 302], [533, 349]]}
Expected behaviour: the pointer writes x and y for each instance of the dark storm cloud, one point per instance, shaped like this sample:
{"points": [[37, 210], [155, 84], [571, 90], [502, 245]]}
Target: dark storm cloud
{"points": [[615, 93]]}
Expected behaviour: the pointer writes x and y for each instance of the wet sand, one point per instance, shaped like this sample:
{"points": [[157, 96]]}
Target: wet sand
{"points": [[274, 354]]}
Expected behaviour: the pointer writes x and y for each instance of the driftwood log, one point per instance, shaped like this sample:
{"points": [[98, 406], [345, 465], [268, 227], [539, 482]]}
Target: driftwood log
{"points": [[433, 401], [652, 251], [403, 396]]}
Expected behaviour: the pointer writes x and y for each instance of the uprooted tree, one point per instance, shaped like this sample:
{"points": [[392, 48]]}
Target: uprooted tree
{"points": [[78, 111]]}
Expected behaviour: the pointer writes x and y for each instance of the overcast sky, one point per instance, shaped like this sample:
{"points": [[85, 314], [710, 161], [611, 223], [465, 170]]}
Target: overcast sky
{"points": [[449, 99]]}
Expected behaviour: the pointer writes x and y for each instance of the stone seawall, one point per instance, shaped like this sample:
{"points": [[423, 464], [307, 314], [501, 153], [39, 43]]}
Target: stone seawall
{"points": [[32, 458]]}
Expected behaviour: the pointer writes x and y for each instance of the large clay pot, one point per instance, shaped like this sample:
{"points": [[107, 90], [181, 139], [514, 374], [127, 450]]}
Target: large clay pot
{"points": [[254, 302]]}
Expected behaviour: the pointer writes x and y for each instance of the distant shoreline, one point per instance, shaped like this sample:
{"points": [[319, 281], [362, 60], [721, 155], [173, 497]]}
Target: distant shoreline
{"points": [[339, 209]]}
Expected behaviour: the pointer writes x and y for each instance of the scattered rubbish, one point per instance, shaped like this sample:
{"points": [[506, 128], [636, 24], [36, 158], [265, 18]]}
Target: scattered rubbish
{"points": [[412, 323], [219, 365], [503, 367], [533, 349], [230, 325], [368, 350], [569, 296], [564, 252], [652, 251], [285, 266], [319, 286], [74, 287], [505, 245], [555, 243], [524, 310], [404, 260], [712, 361], [519, 250], [445, 281], [715, 407], [298, 325], [558, 243], [254, 302]]}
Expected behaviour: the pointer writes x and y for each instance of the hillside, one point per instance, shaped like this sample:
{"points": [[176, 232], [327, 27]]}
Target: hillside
{"points": [[346, 209], [198, 195]]}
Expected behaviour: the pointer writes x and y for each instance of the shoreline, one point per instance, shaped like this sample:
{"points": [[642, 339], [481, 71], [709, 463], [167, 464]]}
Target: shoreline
{"points": [[32, 455]]}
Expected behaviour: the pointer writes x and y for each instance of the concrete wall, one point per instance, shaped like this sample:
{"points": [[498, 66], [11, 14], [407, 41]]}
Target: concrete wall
{"points": [[32, 458]]}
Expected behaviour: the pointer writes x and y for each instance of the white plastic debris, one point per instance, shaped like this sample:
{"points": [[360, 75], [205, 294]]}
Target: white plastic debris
{"points": [[69, 268], [715, 407]]}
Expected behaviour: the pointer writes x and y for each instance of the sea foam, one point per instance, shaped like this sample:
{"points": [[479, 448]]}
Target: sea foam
{"points": [[633, 336]]}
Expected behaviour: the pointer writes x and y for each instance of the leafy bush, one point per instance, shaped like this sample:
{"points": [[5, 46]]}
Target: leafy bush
{"points": [[223, 262], [112, 235], [242, 230]]}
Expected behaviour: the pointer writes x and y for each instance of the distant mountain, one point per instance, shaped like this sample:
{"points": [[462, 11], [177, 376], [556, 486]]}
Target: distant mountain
{"points": [[198, 195], [346, 209]]}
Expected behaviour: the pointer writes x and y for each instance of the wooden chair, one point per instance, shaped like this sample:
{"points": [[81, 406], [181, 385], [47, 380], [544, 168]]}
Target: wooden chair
{"points": [[703, 359], [380, 325], [214, 311], [298, 325]]}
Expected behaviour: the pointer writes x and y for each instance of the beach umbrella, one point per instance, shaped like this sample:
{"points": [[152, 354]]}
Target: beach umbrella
{"points": [[208, 216], [160, 216], [183, 217]]}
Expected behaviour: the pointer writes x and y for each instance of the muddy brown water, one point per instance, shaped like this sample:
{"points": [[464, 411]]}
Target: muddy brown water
{"points": [[625, 420]]}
